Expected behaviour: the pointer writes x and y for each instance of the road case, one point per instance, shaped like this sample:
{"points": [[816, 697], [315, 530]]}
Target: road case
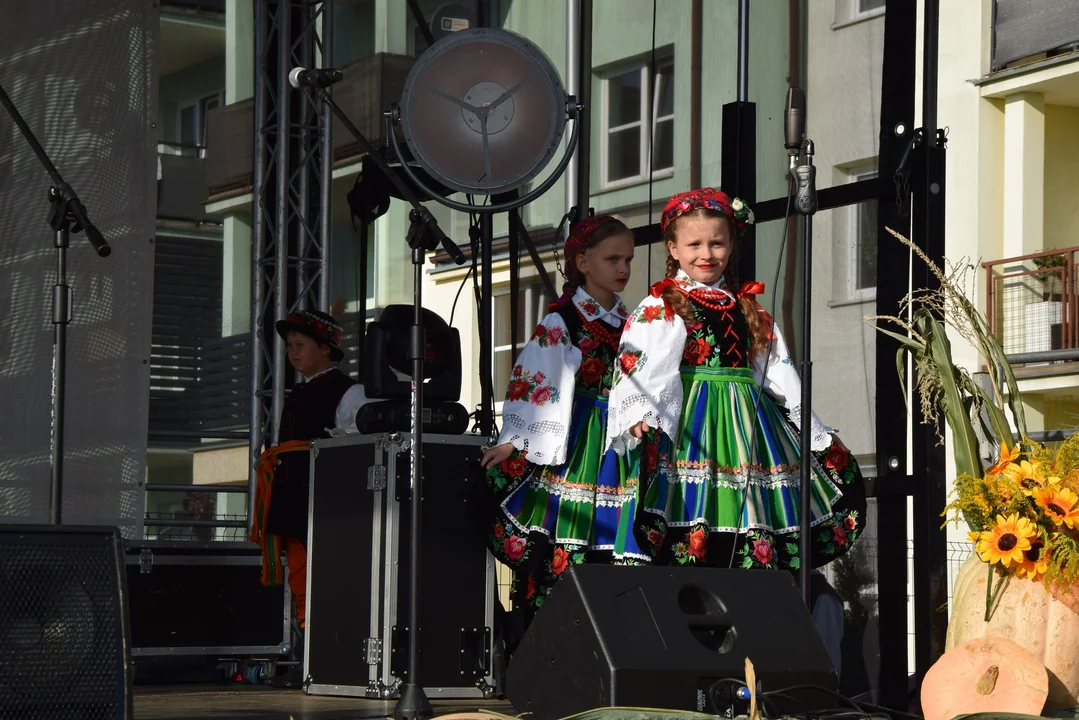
{"points": [[189, 597], [358, 566]]}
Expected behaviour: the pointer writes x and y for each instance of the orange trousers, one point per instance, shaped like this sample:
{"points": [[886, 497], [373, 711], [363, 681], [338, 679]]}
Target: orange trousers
{"points": [[296, 557]]}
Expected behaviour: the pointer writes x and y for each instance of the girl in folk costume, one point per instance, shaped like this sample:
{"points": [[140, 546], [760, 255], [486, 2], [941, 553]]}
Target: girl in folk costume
{"points": [[554, 497], [706, 395]]}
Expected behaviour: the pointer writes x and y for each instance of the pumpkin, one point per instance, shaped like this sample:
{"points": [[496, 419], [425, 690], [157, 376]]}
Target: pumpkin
{"points": [[1025, 613], [984, 675]]}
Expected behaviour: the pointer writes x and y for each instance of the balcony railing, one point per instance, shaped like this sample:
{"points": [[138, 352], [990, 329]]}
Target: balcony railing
{"points": [[1032, 303], [206, 7], [369, 87], [1026, 28], [181, 181], [213, 402]]}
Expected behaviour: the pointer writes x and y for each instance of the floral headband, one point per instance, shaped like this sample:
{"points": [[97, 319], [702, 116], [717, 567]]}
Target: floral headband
{"points": [[709, 199], [581, 234]]}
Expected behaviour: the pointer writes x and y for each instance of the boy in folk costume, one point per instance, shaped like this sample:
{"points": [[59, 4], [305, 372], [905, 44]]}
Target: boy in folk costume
{"points": [[706, 395], [326, 398]]}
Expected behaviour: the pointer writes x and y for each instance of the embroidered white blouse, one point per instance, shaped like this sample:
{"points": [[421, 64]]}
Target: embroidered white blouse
{"points": [[539, 400], [648, 385]]}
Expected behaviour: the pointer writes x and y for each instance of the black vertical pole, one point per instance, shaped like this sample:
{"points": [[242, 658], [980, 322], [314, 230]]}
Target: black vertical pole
{"points": [[361, 330], [738, 158], [514, 237], [584, 119], [61, 317], [930, 538], [487, 410], [896, 130]]}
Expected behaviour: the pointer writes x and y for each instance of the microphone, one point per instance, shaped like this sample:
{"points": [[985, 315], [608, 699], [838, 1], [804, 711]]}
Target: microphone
{"points": [[448, 245], [805, 184], [318, 78], [795, 125]]}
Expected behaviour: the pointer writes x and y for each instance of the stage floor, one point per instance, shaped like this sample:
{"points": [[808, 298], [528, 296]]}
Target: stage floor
{"points": [[240, 702]]}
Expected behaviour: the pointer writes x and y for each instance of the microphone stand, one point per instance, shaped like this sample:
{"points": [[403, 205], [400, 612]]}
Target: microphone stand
{"points": [[805, 204], [424, 234], [66, 215]]}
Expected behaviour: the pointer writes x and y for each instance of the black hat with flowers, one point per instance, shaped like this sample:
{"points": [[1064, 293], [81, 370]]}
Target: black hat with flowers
{"points": [[317, 325]]}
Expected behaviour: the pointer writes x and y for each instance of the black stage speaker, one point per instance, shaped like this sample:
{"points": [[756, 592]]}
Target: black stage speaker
{"points": [[63, 624], [663, 637]]}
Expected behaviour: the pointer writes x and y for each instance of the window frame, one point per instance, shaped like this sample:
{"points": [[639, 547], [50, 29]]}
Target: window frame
{"points": [[868, 171], [649, 108], [201, 111]]}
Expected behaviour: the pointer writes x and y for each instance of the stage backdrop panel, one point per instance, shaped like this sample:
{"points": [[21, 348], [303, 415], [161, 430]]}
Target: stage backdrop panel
{"points": [[82, 74]]}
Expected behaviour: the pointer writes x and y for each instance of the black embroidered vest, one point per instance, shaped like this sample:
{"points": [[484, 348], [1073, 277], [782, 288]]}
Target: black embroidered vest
{"points": [[598, 350], [721, 340]]}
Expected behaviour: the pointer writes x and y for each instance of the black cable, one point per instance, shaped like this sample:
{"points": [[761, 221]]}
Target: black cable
{"points": [[820, 688], [651, 132], [472, 224], [764, 379], [484, 323], [457, 297]]}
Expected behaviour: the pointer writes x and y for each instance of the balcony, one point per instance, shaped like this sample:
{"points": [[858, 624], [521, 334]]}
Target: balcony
{"points": [[369, 87], [202, 7], [1032, 304], [201, 387], [181, 182], [1030, 30]]}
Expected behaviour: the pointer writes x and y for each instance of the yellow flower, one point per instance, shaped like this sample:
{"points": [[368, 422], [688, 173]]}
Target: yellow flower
{"points": [[1007, 541], [974, 536], [1058, 504], [1028, 475], [1006, 456], [1035, 561]]}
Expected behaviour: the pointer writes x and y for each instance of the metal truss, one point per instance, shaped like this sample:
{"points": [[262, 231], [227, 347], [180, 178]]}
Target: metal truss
{"points": [[291, 224]]}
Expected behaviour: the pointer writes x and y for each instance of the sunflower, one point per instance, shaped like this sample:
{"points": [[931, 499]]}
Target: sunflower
{"points": [[1058, 504], [1029, 476], [1006, 457], [1007, 541], [1035, 560]]}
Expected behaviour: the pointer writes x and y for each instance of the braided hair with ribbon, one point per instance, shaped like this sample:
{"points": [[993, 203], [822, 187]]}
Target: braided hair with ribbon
{"points": [[712, 203], [584, 236]]}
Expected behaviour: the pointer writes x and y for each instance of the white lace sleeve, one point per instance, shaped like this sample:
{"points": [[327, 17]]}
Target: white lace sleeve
{"points": [[785, 387], [539, 399], [647, 385]]}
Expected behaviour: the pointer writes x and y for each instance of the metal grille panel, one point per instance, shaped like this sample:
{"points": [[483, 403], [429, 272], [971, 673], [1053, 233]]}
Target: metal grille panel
{"points": [[82, 74], [62, 653]]}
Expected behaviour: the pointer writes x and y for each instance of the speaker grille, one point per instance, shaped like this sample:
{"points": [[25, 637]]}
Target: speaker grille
{"points": [[62, 652]]}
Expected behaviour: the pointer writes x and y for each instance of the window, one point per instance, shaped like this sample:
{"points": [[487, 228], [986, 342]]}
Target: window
{"points": [[531, 307], [849, 12], [863, 242], [192, 121], [633, 101]]}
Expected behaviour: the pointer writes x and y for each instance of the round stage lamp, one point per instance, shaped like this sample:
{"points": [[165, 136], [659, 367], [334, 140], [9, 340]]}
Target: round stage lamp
{"points": [[483, 111]]}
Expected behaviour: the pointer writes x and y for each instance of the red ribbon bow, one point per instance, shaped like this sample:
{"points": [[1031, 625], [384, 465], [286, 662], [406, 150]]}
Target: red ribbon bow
{"points": [[753, 287]]}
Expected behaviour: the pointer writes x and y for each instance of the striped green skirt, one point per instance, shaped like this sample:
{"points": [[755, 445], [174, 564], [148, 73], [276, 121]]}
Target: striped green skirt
{"points": [[543, 518], [726, 489]]}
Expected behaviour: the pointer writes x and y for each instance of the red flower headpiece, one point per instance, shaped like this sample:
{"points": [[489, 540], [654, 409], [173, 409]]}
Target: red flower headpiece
{"points": [[710, 199], [581, 234]]}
